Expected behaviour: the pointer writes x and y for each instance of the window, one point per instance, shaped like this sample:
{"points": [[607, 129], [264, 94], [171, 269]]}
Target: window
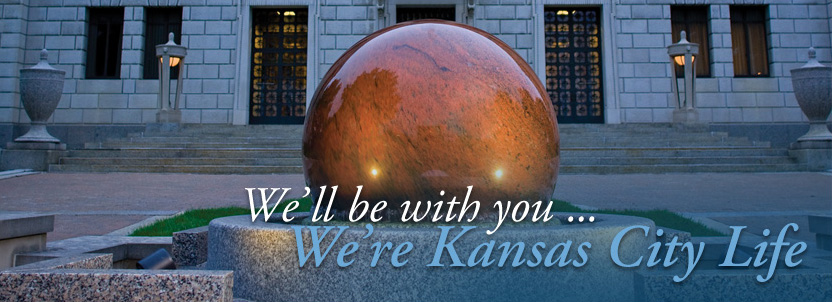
{"points": [[159, 22], [104, 43], [694, 21], [748, 39]]}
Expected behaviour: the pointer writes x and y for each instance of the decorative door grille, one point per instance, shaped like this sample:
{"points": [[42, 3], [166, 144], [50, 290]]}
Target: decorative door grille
{"points": [[573, 63], [404, 14], [278, 66]]}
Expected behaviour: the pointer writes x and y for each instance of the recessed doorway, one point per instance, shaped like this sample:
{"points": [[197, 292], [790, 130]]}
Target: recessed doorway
{"points": [[573, 54], [278, 66]]}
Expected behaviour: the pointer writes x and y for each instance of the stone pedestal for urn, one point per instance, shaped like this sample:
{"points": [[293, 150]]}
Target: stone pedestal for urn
{"points": [[40, 91], [813, 91]]}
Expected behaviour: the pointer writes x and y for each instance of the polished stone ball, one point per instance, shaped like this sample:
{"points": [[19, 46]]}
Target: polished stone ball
{"points": [[429, 106]]}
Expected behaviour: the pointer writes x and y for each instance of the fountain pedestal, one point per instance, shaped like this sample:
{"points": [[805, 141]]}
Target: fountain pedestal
{"points": [[264, 258]]}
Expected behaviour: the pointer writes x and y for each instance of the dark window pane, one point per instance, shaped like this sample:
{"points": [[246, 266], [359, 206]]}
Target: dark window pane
{"points": [[748, 38], [104, 34], [404, 14], [757, 50], [739, 47], [159, 22], [694, 21]]}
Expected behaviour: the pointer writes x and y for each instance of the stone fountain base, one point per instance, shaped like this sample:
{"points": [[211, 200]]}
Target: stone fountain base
{"points": [[264, 259]]}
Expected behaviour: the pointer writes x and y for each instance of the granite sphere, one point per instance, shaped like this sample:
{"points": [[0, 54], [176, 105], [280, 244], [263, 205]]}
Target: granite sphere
{"points": [[429, 106]]}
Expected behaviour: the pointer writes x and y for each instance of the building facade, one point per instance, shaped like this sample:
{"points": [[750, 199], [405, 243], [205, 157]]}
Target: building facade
{"points": [[259, 61]]}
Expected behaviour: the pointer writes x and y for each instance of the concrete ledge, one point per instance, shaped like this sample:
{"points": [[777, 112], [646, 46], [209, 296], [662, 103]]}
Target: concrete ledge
{"points": [[71, 273], [264, 258], [19, 225], [115, 285], [709, 282], [190, 247], [85, 261], [22, 233], [125, 250], [809, 284]]}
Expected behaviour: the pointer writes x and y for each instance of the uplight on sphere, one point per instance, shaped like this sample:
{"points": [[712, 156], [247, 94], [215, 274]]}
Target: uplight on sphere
{"points": [[444, 106]]}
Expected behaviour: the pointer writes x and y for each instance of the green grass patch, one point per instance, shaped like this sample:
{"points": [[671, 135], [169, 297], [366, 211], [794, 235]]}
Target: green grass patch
{"points": [[201, 217], [662, 218]]}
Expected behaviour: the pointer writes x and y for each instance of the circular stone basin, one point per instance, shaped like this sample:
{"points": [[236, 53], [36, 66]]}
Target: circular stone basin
{"points": [[426, 106], [264, 259]]}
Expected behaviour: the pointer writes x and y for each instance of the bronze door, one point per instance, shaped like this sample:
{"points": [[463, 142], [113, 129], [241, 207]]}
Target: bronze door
{"points": [[573, 63], [278, 66]]}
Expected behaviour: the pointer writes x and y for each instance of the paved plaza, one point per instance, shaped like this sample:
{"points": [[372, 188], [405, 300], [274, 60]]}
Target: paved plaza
{"points": [[99, 204]]}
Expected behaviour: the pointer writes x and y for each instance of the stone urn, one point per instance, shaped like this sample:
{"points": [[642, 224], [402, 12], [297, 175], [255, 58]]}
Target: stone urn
{"points": [[40, 91], [813, 90]]}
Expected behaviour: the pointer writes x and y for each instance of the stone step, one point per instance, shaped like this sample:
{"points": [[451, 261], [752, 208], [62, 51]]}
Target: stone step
{"points": [[205, 161], [566, 152], [297, 144], [670, 152], [682, 168], [592, 136], [286, 131], [195, 152], [270, 142], [747, 160], [184, 137], [566, 169], [223, 145], [576, 132], [195, 169], [204, 139], [264, 149], [662, 143], [296, 131], [568, 161]]}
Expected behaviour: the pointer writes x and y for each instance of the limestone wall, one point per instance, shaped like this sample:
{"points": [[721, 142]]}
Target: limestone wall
{"points": [[217, 33]]}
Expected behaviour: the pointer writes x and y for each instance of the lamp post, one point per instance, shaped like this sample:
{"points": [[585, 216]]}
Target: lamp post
{"points": [[683, 53], [170, 55]]}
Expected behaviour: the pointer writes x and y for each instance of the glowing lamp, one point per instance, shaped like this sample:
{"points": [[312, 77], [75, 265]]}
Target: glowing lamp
{"points": [[683, 53], [170, 55]]}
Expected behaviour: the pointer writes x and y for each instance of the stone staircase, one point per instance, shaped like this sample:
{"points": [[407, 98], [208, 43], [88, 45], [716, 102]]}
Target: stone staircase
{"points": [[275, 149], [204, 149], [662, 148]]}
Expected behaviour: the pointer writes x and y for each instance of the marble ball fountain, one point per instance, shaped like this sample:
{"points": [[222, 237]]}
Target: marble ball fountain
{"points": [[415, 109], [409, 111]]}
